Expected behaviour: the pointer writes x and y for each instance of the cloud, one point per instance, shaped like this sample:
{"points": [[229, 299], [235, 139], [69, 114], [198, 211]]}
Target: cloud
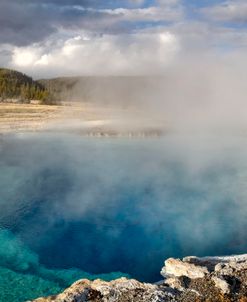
{"points": [[25, 22], [89, 37], [107, 54], [144, 51], [153, 14], [79, 37], [21, 25], [228, 11], [200, 37]]}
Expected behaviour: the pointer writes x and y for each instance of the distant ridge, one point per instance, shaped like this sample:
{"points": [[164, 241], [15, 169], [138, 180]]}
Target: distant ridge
{"points": [[105, 89], [122, 90]]}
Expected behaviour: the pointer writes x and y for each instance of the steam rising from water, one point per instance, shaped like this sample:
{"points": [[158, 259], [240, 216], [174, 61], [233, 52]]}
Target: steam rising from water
{"points": [[74, 207], [104, 205], [200, 93]]}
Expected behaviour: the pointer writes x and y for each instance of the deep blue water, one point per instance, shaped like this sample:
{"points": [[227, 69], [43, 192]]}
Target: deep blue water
{"points": [[75, 207]]}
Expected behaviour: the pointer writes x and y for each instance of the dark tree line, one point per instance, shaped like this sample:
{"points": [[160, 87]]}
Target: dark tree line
{"points": [[15, 85]]}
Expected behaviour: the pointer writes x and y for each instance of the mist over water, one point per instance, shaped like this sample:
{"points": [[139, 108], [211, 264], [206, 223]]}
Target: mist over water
{"points": [[108, 205], [98, 206]]}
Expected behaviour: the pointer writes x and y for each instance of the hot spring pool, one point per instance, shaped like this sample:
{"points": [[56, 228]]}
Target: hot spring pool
{"points": [[74, 207]]}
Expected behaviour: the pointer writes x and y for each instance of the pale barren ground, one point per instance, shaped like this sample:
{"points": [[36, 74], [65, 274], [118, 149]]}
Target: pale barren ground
{"points": [[84, 119], [26, 117]]}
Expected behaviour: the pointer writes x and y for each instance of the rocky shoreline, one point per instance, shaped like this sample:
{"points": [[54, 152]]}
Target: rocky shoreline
{"points": [[192, 279]]}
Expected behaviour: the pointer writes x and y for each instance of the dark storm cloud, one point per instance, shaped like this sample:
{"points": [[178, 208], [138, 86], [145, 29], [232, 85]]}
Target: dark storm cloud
{"points": [[25, 22], [22, 23], [88, 3], [5, 56]]}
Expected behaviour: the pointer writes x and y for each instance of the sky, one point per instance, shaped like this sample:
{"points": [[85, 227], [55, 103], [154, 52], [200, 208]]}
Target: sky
{"points": [[47, 38]]}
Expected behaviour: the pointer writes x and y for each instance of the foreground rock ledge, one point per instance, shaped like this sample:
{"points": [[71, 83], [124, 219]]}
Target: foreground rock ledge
{"points": [[190, 279]]}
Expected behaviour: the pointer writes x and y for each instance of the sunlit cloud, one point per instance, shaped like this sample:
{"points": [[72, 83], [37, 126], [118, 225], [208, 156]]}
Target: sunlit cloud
{"points": [[83, 37], [82, 54]]}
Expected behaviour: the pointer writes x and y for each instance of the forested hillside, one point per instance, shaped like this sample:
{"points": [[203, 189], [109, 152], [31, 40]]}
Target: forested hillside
{"points": [[64, 88], [121, 90], [21, 88]]}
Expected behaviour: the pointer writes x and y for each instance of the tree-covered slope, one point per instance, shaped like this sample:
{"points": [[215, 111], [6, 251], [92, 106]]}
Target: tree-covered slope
{"points": [[22, 88], [121, 90]]}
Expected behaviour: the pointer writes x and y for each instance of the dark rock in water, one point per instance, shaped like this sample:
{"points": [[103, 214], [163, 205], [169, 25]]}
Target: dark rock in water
{"points": [[193, 279]]}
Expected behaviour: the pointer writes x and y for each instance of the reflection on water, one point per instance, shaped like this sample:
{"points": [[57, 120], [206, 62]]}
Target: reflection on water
{"points": [[74, 207]]}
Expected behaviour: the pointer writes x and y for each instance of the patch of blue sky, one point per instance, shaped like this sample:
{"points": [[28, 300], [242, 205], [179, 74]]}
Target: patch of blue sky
{"points": [[122, 4], [235, 24], [150, 24]]}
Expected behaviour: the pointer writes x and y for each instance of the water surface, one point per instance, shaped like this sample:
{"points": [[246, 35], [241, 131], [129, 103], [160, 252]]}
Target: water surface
{"points": [[74, 207]]}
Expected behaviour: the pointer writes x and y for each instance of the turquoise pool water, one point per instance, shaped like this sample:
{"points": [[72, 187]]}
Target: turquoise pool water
{"points": [[74, 207]]}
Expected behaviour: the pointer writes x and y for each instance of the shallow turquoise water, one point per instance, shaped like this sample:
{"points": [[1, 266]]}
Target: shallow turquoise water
{"points": [[23, 277], [73, 207]]}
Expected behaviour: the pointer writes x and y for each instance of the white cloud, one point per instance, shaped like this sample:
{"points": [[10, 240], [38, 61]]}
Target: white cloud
{"points": [[117, 42], [153, 14], [25, 56], [233, 11], [148, 51], [167, 12], [106, 55]]}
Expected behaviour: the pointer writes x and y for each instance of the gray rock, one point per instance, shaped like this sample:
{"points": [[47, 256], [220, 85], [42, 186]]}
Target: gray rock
{"points": [[178, 268], [193, 279], [221, 284], [174, 283], [122, 290]]}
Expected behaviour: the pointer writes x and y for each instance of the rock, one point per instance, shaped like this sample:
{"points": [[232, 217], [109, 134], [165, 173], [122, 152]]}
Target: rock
{"points": [[212, 263], [193, 279], [221, 284], [122, 290], [231, 267], [178, 268], [174, 283]]}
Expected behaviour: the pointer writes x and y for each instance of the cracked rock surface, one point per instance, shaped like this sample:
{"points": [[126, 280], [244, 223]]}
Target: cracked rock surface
{"points": [[192, 279]]}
